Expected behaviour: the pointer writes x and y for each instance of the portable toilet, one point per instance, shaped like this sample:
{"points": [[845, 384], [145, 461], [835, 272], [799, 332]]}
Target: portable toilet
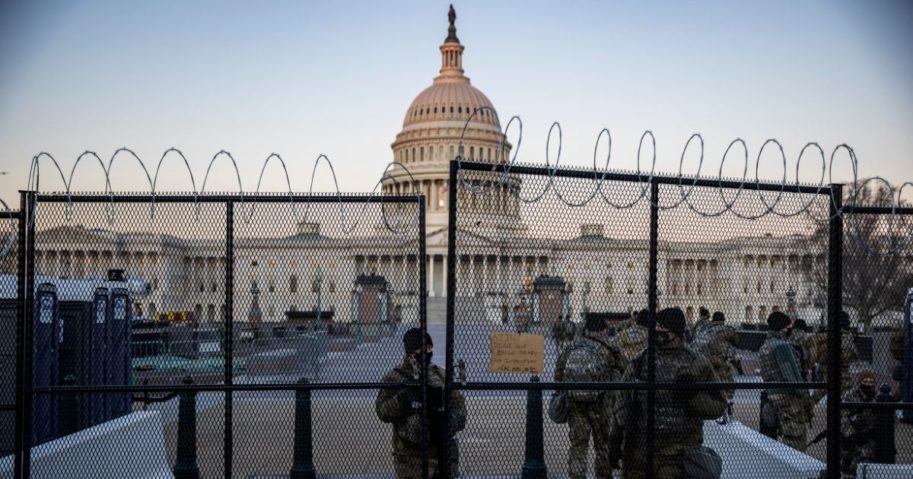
{"points": [[96, 405], [117, 341], [47, 334]]}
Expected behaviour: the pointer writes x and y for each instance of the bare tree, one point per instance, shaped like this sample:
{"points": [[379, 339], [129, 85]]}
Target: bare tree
{"points": [[877, 254]]}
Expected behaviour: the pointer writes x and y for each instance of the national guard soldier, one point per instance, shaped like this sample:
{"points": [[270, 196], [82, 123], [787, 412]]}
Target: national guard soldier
{"points": [[787, 409], [857, 426], [716, 341], [590, 358], [703, 319], [563, 332], [679, 414], [402, 407], [807, 348], [848, 355]]}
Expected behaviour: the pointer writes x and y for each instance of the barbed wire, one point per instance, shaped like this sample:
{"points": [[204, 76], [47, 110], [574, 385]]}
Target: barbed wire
{"points": [[782, 188], [398, 226], [504, 162]]}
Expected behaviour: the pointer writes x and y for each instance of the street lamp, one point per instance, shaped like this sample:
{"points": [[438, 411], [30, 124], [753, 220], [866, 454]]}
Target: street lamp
{"points": [[791, 303], [318, 282]]}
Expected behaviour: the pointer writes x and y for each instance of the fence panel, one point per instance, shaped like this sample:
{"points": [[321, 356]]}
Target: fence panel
{"points": [[556, 252], [193, 328]]}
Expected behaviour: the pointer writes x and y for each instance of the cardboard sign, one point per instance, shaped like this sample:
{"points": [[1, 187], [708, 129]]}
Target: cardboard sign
{"points": [[517, 353]]}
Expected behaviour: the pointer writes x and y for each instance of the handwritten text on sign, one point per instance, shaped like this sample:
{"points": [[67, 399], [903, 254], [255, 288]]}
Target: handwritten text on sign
{"points": [[517, 353]]}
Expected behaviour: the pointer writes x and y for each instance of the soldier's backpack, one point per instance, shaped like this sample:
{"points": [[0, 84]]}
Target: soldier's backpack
{"points": [[704, 337], [585, 363]]}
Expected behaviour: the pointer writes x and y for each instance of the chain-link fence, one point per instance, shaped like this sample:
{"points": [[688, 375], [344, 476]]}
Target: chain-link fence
{"points": [[586, 325], [207, 335], [672, 285]]}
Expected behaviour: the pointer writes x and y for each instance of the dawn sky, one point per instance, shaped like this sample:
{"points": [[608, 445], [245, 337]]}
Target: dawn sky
{"points": [[301, 79]]}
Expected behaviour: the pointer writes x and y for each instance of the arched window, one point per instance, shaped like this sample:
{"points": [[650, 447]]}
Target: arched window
{"points": [[211, 313], [762, 313], [609, 286], [413, 154], [771, 286], [748, 314], [293, 284], [421, 154], [689, 313], [472, 152], [152, 310]]}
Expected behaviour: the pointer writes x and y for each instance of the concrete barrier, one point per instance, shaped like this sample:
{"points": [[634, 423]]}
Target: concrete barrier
{"points": [[746, 451], [129, 446]]}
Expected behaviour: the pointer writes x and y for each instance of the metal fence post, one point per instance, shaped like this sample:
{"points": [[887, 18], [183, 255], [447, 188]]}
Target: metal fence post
{"points": [[907, 360], [885, 448], [25, 350], [228, 337], [534, 463], [652, 304], [303, 465], [185, 466], [834, 307]]}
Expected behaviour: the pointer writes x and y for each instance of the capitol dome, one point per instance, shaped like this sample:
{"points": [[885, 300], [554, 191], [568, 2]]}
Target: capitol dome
{"points": [[450, 99], [437, 128]]}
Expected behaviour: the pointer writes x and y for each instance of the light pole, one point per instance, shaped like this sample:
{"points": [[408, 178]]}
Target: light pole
{"points": [[318, 280], [791, 303], [358, 334]]}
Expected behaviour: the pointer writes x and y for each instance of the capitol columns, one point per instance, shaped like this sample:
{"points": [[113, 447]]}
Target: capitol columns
{"points": [[430, 276], [444, 276]]}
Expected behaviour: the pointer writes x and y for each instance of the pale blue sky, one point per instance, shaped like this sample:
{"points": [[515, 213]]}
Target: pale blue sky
{"points": [[301, 79]]}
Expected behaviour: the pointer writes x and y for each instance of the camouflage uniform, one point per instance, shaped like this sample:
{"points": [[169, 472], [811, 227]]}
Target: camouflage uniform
{"points": [[857, 433], [807, 346], [715, 340], [848, 355], [590, 418], [563, 333], [402, 408], [779, 363], [679, 417]]}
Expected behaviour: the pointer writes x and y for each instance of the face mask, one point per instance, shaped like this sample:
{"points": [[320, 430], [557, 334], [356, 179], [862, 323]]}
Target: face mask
{"points": [[867, 391]]}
